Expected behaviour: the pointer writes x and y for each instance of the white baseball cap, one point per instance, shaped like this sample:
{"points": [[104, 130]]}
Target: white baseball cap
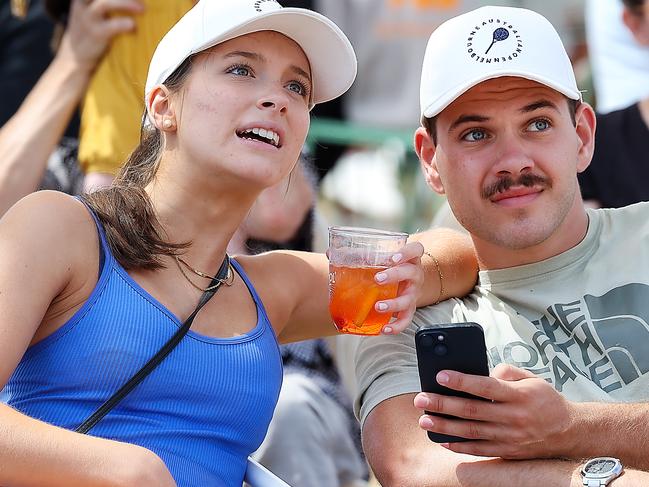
{"points": [[210, 22], [491, 42]]}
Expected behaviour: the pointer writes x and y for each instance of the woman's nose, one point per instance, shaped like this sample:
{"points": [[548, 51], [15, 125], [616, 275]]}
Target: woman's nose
{"points": [[274, 100]]}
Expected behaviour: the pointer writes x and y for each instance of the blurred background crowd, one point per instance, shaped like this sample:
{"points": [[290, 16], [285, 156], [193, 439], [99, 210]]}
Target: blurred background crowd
{"points": [[361, 167], [72, 82]]}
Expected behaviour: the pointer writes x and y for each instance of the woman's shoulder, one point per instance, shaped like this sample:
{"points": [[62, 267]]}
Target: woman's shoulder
{"points": [[49, 219]]}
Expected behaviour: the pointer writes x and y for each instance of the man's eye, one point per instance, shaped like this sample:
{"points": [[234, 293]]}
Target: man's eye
{"points": [[538, 125], [474, 136]]}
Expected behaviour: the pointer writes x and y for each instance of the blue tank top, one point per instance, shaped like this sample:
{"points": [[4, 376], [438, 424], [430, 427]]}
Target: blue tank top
{"points": [[203, 410]]}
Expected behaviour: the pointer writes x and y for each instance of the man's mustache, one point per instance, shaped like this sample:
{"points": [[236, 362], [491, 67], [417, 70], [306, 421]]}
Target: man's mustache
{"points": [[506, 182]]}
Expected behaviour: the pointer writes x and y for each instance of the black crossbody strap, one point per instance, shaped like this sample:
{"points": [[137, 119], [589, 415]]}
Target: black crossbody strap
{"points": [[166, 349]]}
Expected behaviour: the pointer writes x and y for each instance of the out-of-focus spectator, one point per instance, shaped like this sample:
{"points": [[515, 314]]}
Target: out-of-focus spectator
{"points": [[620, 65], [618, 173], [31, 136], [25, 38], [114, 104]]}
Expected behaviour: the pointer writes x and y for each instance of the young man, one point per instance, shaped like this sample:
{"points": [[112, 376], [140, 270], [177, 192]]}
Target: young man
{"points": [[563, 293]]}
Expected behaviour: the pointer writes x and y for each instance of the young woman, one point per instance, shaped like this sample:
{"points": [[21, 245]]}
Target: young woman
{"points": [[90, 290]]}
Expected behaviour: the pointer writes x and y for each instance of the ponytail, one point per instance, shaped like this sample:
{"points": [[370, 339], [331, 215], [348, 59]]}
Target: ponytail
{"points": [[133, 232]]}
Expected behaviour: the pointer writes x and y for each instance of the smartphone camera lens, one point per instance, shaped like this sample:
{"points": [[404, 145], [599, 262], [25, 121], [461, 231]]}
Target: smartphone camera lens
{"points": [[427, 340], [440, 349]]}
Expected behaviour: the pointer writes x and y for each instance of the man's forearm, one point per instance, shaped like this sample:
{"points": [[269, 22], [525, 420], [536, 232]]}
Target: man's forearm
{"points": [[438, 468], [401, 455], [610, 429], [534, 473]]}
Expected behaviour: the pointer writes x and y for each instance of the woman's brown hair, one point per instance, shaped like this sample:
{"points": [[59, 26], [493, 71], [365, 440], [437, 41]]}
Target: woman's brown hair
{"points": [[133, 231]]}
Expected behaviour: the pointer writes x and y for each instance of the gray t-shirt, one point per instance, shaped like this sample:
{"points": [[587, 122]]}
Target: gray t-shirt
{"points": [[580, 319]]}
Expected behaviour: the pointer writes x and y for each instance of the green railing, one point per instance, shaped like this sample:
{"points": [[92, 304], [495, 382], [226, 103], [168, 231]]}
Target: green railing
{"points": [[420, 201], [345, 133]]}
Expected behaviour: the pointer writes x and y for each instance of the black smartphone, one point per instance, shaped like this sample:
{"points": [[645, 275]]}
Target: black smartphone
{"points": [[452, 346]]}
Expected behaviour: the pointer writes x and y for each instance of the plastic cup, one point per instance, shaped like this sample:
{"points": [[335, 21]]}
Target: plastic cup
{"points": [[355, 256]]}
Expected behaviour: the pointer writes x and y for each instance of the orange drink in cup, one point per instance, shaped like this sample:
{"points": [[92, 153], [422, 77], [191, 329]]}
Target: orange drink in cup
{"points": [[355, 256]]}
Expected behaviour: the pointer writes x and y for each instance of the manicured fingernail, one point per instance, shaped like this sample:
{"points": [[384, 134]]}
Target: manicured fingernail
{"points": [[396, 258], [443, 378], [381, 276], [387, 330], [381, 306]]}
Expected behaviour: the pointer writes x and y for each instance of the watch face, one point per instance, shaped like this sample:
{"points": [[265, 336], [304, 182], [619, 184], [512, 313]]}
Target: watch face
{"points": [[600, 466]]}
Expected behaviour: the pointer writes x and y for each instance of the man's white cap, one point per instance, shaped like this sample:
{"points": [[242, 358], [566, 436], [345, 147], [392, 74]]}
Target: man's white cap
{"points": [[491, 42], [210, 22]]}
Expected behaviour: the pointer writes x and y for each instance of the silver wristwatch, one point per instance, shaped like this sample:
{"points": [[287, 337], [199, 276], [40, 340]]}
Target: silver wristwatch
{"points": [[598, 472]]}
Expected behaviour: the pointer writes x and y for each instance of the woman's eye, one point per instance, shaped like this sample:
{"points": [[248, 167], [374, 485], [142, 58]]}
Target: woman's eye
{"points": [[474, 135], [298, 88], [240, 70], [538, 125]]}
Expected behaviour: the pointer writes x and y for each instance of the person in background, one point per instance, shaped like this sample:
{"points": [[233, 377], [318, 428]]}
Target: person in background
{"points": [[620, 65], [504, 134], [617, 175], [95, 286], [113, 106], [25, 50], [32, 134]]}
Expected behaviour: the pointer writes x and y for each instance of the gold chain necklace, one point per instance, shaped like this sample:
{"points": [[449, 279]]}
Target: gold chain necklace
{"points": [[228, 280]]}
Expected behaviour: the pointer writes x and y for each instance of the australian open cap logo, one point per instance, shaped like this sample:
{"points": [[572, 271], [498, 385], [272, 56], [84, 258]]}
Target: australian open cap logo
{"points": [[261, 5], [494, 41]]}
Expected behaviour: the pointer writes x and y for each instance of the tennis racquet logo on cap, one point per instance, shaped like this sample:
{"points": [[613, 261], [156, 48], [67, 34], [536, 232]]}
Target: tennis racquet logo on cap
{"points": [[494, 41], [259, 4]]}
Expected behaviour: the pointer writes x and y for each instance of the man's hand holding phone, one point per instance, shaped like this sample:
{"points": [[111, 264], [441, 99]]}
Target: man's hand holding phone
{"points": [[519, 415]]}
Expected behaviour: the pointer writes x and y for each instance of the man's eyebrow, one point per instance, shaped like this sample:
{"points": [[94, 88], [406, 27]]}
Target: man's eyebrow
{"points": [[469, 118], [462, 119], [258, 57], [537, 105]]}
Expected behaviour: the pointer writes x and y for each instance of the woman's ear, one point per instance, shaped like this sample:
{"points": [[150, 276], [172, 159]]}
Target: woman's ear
{"points": [[585, 123], [426, 151], [160, 110]]}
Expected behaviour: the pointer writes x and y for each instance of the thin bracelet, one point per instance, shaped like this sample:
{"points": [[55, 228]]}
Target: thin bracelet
{"points": [[441, 276]]}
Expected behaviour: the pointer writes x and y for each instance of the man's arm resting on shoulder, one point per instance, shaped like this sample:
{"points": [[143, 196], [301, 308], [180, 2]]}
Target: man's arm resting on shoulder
{"points": [[401, 455]]}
